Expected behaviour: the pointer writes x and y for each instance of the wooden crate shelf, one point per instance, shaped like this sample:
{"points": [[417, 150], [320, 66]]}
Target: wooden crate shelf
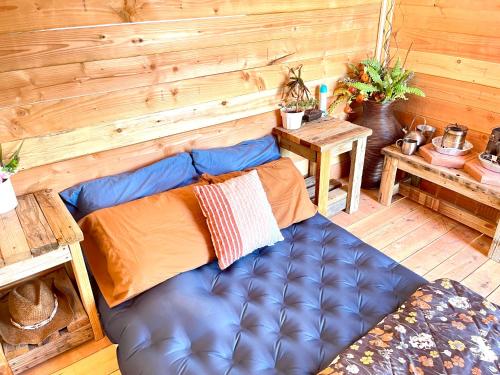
{"points": [[22, 357], [337, 195], [37, 236]]}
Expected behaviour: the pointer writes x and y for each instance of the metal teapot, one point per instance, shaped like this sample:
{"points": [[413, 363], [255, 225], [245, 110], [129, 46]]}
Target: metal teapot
{"points": [[493, 142], [454, 136], [422, 133]]}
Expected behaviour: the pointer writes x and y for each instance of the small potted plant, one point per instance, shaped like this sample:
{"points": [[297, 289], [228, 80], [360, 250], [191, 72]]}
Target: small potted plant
{"points": [[8, 167], [296, 99]]}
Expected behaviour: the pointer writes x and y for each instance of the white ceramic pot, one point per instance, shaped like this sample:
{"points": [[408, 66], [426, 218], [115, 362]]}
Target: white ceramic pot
{"points": [[292, 120], [8, 200]]}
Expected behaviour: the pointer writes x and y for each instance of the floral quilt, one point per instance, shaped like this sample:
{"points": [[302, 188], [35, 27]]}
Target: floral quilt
{"points": [[443, 328]]}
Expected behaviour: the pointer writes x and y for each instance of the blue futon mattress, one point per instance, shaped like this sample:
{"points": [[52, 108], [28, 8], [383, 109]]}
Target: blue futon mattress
{"points": [[284, 309]]}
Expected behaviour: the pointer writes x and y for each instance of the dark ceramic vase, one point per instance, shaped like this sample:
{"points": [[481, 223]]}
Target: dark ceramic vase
{"points": [[386, 130]]}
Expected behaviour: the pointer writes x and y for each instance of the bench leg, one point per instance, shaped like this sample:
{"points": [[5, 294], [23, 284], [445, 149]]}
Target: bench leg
{"points": [[4, 365], [388, 180], [355, 175], [322, 181], [85, 289], [494, 252]]}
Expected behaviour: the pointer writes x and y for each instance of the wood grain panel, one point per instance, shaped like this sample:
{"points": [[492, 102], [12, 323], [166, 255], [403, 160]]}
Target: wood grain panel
{"points": [[478, 47], [76, 142], [55, 116], [97, 88], [61, 175], [63, 46], [25, 15], [464, 93], [26, 86], [477, 119], [60, 221], [455, 67], [35, 226], [70, 172], [81, 141], [461, 4], [13, 245], [463, 16]]}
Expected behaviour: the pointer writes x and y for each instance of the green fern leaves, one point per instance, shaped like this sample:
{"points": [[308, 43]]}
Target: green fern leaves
{"points": [[375, 76], [415, 91], [372, 81], [363, 87]]}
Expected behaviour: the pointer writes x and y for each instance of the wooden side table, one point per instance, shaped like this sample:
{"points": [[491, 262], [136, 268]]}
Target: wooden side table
{"points": [[317, 141], [453, 179], [38, 236]]}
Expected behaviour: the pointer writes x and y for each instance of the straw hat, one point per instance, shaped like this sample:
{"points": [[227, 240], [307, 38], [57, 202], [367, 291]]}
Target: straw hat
{"points": [[32, 311]]}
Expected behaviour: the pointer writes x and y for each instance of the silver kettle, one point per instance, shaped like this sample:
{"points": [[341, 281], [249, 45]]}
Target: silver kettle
{"points": [[416, 134]]}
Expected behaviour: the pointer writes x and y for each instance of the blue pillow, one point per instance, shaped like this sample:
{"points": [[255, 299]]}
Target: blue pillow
{"points": [[244, 155], [169, 173]]}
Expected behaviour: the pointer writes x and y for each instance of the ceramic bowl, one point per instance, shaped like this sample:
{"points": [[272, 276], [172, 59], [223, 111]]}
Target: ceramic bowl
{"points": [[488, 164], [436, 142]]}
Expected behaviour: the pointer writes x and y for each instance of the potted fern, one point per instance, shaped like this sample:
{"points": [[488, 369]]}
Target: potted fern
{"points": [[377, 86], [296, 99], [8, 167]]}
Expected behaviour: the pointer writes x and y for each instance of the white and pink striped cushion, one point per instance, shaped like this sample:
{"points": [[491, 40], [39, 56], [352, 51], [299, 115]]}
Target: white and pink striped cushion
{"points": [[239, 217]]}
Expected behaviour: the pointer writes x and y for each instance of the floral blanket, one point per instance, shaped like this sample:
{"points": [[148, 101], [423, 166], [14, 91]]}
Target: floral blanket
{"points": [[443, 328]]}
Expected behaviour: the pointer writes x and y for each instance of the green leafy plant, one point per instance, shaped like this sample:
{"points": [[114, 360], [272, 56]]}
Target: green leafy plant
{"points": [[371, 80], [9, 166], [296, 95]]}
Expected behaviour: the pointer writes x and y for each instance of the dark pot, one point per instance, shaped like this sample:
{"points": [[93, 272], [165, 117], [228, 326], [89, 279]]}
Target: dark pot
{"points": [[312, 114], [386, 130]]}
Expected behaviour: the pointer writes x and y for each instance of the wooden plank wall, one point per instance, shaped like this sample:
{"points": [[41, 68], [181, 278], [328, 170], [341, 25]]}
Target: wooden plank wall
{"points": [[456, 55], [96, 87]]}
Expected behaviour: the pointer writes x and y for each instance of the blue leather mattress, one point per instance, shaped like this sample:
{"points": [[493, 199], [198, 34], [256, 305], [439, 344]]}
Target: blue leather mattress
{"points": [[284, 309]]}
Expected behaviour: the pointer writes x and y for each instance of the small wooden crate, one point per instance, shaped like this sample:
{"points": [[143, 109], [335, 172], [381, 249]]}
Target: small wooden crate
{"points": [[22, 357], [337, 196]]}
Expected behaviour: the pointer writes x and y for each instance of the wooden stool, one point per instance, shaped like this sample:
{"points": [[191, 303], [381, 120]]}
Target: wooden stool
{"points": [[317, 141]]}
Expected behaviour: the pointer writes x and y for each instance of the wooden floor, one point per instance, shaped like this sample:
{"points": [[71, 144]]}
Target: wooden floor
{"points": [[422, 240]]}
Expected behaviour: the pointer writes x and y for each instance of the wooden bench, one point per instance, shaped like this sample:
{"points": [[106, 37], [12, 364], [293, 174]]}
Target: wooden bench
{"points": [[453, 179]]}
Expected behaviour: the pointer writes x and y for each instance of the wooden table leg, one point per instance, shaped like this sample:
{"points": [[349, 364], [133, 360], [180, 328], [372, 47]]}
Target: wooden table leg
{"points": [[322, 181], [355, 175], [82, 280], [494, 252], [388, 180], [4, 365]]}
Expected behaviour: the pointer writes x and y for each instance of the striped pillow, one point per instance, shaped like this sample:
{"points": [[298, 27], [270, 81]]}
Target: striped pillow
{"points": [[239, 217]]}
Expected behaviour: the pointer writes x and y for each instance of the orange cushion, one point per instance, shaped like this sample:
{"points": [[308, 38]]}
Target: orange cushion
{"points": [[285, 189], [137, 245]]}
